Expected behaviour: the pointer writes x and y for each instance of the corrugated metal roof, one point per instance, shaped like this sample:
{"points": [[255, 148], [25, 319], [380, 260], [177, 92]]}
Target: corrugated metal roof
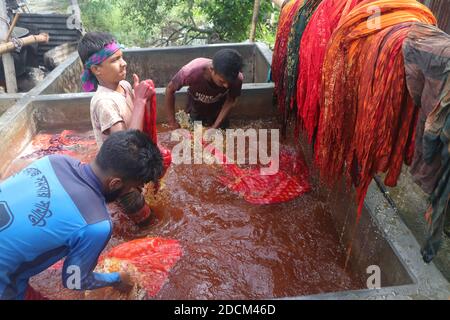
{"points": [[53, 24], [441, 9]]}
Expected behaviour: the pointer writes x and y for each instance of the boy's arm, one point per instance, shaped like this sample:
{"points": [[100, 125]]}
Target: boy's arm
{"points": [[235, 92], [85, 248], [169, 102], [224, 112], [108, 116]]}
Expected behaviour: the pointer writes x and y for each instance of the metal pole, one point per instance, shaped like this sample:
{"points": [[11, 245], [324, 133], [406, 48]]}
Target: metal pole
{"points": [[256, 8], [8, 60]]}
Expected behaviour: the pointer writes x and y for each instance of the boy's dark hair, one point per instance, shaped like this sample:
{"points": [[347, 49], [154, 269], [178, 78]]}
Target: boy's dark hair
{"points": [[132, 156], [228, 63], [93, 42]]}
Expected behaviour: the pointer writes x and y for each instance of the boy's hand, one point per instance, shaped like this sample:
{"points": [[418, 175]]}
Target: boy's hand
{"points": [[126, 283], [142, 90]]}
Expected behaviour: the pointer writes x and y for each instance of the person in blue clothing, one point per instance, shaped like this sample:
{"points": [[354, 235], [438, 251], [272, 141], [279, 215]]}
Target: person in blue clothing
{"points": [[56, 208]]}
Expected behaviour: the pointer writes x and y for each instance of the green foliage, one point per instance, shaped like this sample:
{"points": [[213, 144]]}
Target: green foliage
{"points": [[178, 22]]}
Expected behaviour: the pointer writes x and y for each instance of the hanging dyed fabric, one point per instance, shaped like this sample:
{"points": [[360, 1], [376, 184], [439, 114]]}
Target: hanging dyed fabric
{"points": [[290, 74], [279, 58], [312, 53], [427, 64], [367, 120], [150, 130]]}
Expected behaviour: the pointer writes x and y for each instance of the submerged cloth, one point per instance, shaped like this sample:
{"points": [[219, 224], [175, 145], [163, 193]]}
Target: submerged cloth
{"points": [[52, 209], [147, 260], [312, 54], [427, 64], [205, 98], [367, 120], [88, 80], [109, 107]]}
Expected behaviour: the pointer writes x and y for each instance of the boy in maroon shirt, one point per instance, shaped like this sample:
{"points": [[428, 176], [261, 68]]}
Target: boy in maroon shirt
{"points": [[214, 86]]}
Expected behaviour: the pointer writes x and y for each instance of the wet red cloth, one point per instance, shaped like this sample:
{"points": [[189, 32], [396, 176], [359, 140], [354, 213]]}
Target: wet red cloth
{"points": [[150, 128], [151, 259], [147, 260], [65, 143], [288, 183]]}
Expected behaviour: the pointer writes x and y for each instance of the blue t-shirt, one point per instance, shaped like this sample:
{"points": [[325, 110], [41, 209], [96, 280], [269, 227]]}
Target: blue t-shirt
{"points": [[53, 209]]}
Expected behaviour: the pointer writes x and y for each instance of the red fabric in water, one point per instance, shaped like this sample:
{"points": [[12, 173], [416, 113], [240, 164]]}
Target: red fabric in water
{"points": [[152, 257], [59, 144], [149, 262], [288, 183]]}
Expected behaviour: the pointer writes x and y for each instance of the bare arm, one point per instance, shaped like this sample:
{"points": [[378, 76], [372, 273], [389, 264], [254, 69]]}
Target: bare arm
{"points": [[119, 126], [169, 102], [226, 108]]}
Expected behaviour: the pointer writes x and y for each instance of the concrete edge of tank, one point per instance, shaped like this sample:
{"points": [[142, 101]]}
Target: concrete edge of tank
{"points": [[428, 282]]}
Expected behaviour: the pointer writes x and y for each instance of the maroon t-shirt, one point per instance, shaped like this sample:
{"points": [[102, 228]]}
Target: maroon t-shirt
{"points": [[205, 97]]}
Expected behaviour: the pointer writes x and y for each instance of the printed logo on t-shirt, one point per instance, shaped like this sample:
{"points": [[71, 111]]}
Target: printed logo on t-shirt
{"points": [[203, 98], [41, 209], [6, 217]]}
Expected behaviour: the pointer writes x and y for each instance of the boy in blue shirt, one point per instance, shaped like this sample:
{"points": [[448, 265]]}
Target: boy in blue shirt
{"points": [[56, 208]]}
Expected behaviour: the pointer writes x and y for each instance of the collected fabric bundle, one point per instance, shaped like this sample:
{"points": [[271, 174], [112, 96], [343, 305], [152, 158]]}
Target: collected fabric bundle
{"points": [[279, 58], [311, 55], [147, 260], [427, 63], [367, 119], [151, 132], [290, 181], [68, 143], [290, 73]]}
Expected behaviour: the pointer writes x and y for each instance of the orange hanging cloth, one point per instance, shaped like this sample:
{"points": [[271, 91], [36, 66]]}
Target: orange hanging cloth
{"points": [[367, 119]]}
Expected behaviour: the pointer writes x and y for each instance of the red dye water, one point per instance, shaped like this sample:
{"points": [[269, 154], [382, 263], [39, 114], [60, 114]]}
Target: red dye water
{"points": [[232, 249]]}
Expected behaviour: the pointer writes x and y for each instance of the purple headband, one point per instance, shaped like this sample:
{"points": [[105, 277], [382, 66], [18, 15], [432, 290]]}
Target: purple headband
{"points": [[88, 79]]}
